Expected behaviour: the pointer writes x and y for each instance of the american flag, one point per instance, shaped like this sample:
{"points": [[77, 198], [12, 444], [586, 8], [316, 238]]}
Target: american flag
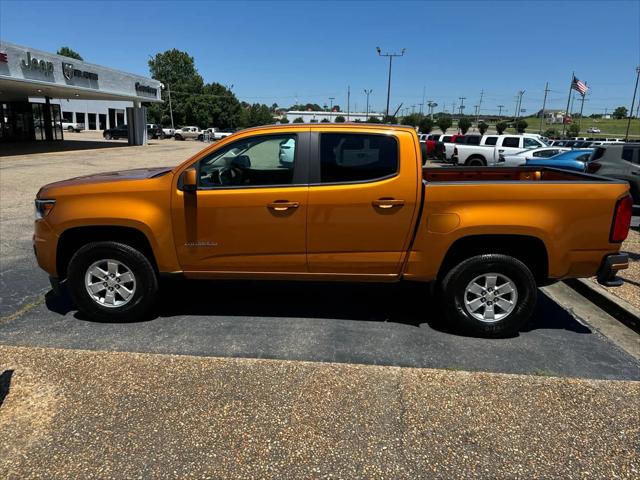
{"points": [[579, 85]]}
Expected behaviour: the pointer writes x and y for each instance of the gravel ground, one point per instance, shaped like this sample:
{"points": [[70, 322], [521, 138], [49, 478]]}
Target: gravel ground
{"points": [[79, 414], [630, 290]]}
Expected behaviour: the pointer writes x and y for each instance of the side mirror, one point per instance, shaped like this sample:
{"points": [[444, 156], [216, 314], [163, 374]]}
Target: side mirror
{"points": [[189, 180]]}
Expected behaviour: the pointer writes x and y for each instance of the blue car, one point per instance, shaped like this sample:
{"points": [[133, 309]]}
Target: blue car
{"points": [[575, 160]]}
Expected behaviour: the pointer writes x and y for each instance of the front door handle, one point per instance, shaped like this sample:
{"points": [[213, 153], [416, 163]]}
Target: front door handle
{"points": [[282, 205], [635, 173], [387, 203]]}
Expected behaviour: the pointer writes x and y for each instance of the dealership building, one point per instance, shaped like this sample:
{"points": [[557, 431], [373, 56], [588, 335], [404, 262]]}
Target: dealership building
{"points": [[40, 90]]}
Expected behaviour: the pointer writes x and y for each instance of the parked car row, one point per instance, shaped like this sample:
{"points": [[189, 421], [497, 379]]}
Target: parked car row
{"points": [[156, 131]]}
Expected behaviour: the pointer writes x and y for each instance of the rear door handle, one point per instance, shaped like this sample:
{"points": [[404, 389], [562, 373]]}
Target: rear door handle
{"points": [[282, 205], [387, 203]]}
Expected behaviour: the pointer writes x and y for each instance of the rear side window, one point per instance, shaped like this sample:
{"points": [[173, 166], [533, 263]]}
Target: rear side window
{"points": [[473, 140], [513, 142], [446, 139], [627, 154], [491, 140], [357, 157]]}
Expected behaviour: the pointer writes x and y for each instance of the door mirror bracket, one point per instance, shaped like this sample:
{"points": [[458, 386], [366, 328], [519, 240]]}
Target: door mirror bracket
{"points": [[188, 180]]}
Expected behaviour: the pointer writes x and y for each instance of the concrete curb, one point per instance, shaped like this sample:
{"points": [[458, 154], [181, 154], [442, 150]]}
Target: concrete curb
{"points": [[614, 306]]}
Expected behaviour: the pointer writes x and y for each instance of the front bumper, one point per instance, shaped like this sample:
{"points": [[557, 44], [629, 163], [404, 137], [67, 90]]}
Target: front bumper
{"points": [[609, 268]]}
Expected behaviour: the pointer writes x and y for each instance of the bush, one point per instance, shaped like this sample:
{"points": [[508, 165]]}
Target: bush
{"points": [[521, 126], [284, 120], [373, 120], [444, 123], [464, 124], [298, 120], [339, 119], [426, 125], [573, 130], [413, 119], [324, 120], [501, 127], [389, 119], [551, 133], [483, 127]]}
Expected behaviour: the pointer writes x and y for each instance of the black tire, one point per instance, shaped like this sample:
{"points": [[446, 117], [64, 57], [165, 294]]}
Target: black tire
{"points": [[144, 296], [454, 284], [178, 137], [69, 129], [476, 162], [107, 136]]}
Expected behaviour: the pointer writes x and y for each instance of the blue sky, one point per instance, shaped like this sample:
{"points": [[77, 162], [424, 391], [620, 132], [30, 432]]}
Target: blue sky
{"points": [[310, 51]]}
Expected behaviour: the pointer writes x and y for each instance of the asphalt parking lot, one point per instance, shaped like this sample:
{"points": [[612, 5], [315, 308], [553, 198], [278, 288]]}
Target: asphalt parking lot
{"points": [[364, 324]]}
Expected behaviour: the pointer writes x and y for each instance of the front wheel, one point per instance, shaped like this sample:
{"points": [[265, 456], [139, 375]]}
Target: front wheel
{"points": [[489, 295], [112, 282], [108, 136], [69, 129], [476, 162]]}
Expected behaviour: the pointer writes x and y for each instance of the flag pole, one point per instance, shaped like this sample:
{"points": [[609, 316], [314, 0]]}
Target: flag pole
{"points": [[564, 121]]}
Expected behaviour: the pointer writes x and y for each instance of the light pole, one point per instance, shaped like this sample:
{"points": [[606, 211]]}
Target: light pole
{"points": [[390, 55], [500, 107], [462, 99], [367, 93], [331, 99], [626, 137]]}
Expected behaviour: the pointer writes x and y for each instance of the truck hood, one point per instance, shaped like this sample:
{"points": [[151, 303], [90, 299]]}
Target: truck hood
{"points": [[106, 177]]}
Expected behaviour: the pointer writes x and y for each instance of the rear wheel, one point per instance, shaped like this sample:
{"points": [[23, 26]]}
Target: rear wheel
{"points": [[178, 137], [476, 162], [108, 136], [111, 281], [69, 129], [489, 295]]}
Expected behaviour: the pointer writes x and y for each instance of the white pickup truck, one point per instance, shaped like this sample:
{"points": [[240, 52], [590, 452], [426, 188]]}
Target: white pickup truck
{"points": [[493, 148], [72, 126], [187, 132]]}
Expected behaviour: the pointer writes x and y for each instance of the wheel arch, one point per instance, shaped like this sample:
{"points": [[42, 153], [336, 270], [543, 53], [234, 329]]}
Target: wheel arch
{"points": [[74, 238], [530, 250]]}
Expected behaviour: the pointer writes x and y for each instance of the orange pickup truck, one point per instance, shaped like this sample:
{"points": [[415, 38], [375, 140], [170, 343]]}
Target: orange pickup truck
{"points": [[347, 202]]}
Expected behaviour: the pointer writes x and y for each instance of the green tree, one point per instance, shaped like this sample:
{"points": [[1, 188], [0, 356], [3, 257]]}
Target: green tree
{"points": [[389, 119], [426, 125], [444, 123], [573, 130], [620, 112], [339, 119], [501, 127], [258, 114], [483, 127], [413, 119], [521, 126], [464, 124], [298, 120], [325, 120], [177, 71], [284, 120], [68, 52], [373, 120]]}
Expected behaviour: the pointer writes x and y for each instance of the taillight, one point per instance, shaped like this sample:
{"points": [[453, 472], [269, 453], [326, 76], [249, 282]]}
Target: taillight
{"points": [[593, 167], [621, 220]]}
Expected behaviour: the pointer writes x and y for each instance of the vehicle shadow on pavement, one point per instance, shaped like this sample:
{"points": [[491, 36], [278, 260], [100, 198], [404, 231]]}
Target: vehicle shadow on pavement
{"points": [[5, 384], [405, 303]]}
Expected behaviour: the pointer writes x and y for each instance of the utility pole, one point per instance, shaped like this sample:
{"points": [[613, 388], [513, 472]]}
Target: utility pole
{"points": [[453, 110], [331, 99], [413, 109], [462, 99], [626, 137], [479, 106], [581, 108], [500, 107], [367, 93], [519, 103], [170, 109], [544, 104], [424, 91], [348, 101], [390, 55]]}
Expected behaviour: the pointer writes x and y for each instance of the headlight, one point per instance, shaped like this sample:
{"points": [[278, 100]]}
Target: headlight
{"points": [[43, 207]]}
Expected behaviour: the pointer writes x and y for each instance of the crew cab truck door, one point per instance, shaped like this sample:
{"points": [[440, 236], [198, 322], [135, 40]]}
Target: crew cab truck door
{"points": [[249, 211], [362, 200]]}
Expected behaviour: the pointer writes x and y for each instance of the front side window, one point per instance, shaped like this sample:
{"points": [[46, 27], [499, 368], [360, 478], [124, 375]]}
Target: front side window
{"points": [[254, 161], [531, 143], [348, 157], [545, 153], [512, 142], [627, 154]]}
